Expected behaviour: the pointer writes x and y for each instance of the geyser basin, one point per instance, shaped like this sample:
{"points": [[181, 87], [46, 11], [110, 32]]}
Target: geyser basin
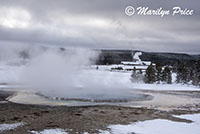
{"points": [[26, 97], [108, 98], [69, 77]]}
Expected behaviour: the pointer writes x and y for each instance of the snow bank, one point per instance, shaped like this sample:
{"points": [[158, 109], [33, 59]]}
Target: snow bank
{"points": [[158, 126], [53, 131], [50, 131], [194, 117], [5, 127], [171, 87]]}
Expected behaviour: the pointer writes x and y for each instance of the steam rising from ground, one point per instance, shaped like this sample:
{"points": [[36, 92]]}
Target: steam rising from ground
{"points": [[68, 74], [63, 72], [12, 52]]}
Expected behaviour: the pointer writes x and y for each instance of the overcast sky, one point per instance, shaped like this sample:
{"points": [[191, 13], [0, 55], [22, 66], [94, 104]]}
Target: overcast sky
{"points": [[99, 24]]}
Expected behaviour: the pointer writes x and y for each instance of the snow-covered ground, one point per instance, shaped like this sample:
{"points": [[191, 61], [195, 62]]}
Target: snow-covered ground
{"points": [[123, 78], [11, 74], [171, 87], [158, 126], [5, 127], [125, 67], [50, 131]]}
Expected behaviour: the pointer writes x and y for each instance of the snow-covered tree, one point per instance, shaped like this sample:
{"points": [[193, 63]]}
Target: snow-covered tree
{"points": [[167, 75], [150, 76], [158, 73]]}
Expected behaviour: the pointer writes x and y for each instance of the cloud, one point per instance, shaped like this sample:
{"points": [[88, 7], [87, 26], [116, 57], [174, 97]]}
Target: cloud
{"points": [[99, 24]]}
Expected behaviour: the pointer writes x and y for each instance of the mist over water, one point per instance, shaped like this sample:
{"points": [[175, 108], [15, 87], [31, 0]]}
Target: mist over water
{"points": [[12, 52], [68, 73]]}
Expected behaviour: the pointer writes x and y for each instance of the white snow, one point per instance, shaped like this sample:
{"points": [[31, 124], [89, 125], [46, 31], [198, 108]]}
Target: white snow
{"points": [[54, 131], [174, 77], [194, 117], [131, 62], [11, 75], [158, 126], [124, 78], [171, 87], [5, 127], [50, 131], [125, 65]]}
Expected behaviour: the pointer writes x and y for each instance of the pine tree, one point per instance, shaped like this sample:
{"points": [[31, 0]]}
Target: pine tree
{"points": [[179, 70], [159, 73], [167, 75], [192, 73], [183, 73], [150, 76], [196, 77]]}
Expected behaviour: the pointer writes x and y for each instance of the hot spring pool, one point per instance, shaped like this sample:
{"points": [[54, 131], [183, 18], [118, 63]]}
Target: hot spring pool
{"points": [[105, 98]]}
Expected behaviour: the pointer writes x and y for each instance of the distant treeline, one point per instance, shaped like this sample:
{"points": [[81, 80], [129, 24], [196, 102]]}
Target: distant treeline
{"points": [[116, 56], [188, 72]]}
